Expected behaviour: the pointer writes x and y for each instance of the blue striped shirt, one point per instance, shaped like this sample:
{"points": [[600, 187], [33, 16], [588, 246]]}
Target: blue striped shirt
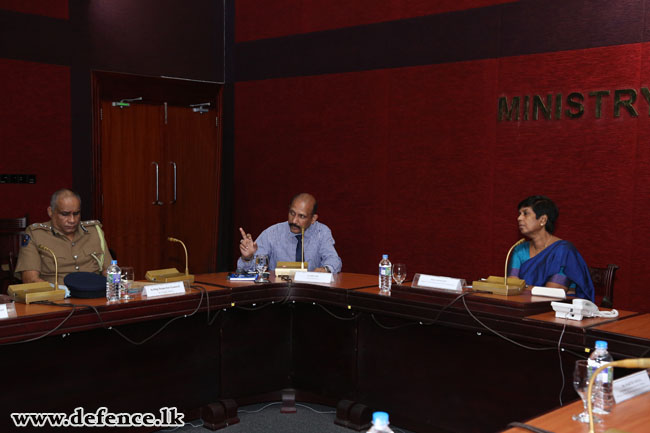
{"points": [[280, 244]]}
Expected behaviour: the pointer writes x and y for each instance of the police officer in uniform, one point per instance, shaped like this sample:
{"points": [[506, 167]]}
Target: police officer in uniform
{"points": [[78, 245]]}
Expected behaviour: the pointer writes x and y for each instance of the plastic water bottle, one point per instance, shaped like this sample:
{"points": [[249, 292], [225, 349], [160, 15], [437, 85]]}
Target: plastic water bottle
{"points": [[380, 423], [113, 279], [385, 274], [602, 393]]}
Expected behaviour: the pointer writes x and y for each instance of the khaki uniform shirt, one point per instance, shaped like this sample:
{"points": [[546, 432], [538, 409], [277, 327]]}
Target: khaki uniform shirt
{"points": [[86, 253]]}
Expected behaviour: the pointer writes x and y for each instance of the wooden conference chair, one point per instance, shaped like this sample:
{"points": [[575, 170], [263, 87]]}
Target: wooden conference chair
{"points": [[10, 232], [603, 279]]}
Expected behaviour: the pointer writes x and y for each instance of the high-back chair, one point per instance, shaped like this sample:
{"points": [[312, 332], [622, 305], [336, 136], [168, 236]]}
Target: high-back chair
{"points": [[11, 230], [603, 279]]}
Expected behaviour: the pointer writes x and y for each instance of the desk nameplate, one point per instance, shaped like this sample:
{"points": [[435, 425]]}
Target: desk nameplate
{"points": [[434, 282], [312, 277], [164, 289]]}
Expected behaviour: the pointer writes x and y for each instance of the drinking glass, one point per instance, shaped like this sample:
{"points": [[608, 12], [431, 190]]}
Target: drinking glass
{"points": [[261, 264], [399, 273], [126, 285], [581, 384]]}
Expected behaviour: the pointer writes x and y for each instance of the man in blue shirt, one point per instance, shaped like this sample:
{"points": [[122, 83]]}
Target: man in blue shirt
{"points": [[281, 242]]}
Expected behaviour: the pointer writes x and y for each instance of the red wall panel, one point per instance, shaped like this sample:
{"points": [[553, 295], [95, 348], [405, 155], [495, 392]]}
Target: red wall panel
{"points": [[414, 163], [286, 17], [637, 230], [34, 135], [48, 8], [369, 146], [587, 165], [324, 135]]}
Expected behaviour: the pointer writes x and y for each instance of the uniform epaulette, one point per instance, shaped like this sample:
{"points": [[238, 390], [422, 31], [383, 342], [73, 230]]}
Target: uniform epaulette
{"points": [[41, 226], [91, 223]]}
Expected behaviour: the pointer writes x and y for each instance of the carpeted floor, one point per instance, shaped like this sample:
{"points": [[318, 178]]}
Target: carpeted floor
{"points": [[268, 419]]}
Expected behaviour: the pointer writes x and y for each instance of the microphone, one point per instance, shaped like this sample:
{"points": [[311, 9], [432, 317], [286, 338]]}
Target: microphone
{"points": [[625, 363], [505, 269], [56, 265], [171, 239], [302, 243], [170, 275], [289, 269], [502, 285], [39, 291]]}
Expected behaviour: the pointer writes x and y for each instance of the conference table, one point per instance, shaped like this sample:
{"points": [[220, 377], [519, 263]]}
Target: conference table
{"points": [[437, 361]]}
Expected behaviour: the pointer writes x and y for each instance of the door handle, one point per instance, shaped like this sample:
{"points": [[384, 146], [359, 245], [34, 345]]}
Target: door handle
{"points": [[157, 200], [174, 165]]}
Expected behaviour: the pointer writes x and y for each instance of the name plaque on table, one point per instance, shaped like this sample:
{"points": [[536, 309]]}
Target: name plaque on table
{"points": [[312, 277], [630, 386], [7, 310], [423, 281], [164, 289]]}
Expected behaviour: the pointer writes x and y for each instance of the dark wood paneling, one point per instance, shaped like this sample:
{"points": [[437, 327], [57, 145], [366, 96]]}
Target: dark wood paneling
{"points": [[148, 38], [324, 351], [451, 375], [158, 37], [97, 368], [256, 351]]}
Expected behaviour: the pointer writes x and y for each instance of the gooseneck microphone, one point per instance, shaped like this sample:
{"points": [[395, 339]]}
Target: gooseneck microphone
{"points": [[501, 285], [171, 239], [302, 244], [625, 363], [171, 275], [505, 271], [56, 265]]}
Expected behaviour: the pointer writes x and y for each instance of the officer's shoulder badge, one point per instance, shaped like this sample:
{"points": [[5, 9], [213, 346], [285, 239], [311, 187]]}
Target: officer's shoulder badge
{"points": [[90, 223], [24, 239], [40, 226]]}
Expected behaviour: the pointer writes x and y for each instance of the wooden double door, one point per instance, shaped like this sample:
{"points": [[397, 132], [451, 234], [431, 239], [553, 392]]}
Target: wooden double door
{"points": [[159, 170]]}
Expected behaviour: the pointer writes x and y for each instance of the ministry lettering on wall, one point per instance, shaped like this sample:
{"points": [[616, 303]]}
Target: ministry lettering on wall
{"points": [[572, 106]]}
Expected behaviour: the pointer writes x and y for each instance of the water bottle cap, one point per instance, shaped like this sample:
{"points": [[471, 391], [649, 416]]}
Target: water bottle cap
{"points": [[384, 256], [600, 344], [113, 262], [380, 417]]}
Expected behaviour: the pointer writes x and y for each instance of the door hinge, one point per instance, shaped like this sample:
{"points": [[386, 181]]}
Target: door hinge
{"points": [[216, 121], [101, 114]]}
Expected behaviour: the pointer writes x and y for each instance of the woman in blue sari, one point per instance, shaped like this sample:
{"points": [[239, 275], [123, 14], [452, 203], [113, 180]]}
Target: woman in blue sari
{"points": [[545, 259]]}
